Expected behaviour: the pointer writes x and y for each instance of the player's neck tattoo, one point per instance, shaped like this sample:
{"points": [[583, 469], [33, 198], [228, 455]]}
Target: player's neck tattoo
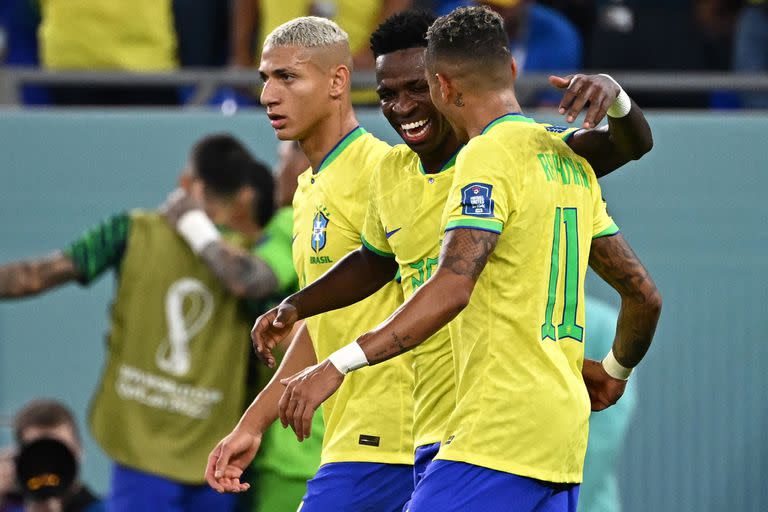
{"points": [[459, 101]]}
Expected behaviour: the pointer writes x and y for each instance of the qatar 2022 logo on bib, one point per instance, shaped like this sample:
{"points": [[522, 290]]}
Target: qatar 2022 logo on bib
{"points": [[319, 228]]}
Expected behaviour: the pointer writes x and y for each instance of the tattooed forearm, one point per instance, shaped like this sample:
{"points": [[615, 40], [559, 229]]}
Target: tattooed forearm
{"points": [[25, 278], [466, 251], [244, 275], [614, 261], [397, 345], [436, 302]]}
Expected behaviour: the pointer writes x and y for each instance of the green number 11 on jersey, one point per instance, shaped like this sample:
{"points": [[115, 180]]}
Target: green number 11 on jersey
{"points": [[568, 327]]}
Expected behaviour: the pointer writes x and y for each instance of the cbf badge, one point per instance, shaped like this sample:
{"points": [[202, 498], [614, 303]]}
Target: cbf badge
{"points": [[476, 200], [319, 227]]}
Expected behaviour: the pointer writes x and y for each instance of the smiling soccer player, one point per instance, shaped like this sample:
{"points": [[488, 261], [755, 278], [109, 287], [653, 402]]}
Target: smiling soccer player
{"points": [[522, 213], [408, 193]]}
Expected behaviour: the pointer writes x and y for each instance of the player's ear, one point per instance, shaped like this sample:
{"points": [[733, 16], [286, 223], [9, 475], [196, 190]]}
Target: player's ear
{"points": [[339, 81], [513, 66], [446, 87]]}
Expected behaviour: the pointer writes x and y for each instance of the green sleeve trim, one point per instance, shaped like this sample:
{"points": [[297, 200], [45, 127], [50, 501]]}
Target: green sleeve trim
{"points": [[495, 226], [375, 250], [506, 118], [567, 134], [100, 248], [610, 230]]}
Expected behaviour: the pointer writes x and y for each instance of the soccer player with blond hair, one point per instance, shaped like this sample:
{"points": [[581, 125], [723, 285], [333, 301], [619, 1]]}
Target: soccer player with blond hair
{"points": [[367, 456]]}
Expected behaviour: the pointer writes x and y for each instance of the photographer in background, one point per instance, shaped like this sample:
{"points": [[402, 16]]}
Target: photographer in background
{"points": [[37, 422]]}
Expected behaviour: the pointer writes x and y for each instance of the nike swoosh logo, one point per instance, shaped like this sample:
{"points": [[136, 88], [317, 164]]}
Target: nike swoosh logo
{"points": [[390, 233]]}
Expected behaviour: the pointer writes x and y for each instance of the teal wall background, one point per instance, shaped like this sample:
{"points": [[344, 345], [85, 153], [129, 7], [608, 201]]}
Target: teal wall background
{"points": [[693, 209]]}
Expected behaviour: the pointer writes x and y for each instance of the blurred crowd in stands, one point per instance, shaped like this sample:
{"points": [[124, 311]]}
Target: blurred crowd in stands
{"points": [[545, 35]]}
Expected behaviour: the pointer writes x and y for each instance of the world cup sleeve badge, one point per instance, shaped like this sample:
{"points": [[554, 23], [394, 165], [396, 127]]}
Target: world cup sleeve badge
{"points": [[476, 200]]}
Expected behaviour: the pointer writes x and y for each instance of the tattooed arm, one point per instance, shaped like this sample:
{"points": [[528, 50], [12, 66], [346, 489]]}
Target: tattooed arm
{"points": [[606, 147], [30, 277], [615, 262], [99, 249], [243, 274], [464, 255]]}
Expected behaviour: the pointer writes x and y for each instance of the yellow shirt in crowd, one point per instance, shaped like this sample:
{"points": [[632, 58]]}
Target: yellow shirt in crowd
{"points": [[107, 34]]}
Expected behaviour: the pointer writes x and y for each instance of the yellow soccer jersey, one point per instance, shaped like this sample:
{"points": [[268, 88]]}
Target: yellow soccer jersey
{"points": [[522, 406], [369, 418], [403, 222]]}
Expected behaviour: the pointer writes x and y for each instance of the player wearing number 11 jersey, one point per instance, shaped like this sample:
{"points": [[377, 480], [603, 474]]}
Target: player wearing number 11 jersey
{"points": [[522, 214]]}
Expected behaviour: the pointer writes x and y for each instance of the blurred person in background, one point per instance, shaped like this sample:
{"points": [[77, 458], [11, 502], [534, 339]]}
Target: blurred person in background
{"points": [[202, 32], [283, 466], [666, 35], [540, 38], [136, 36], [19, 20], [608, 428], [178, 347], [750, 51], [49, 419]]}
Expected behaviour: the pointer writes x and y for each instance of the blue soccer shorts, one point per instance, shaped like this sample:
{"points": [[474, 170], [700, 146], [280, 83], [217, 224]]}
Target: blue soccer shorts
{"points": [[134, 490], [424, 455], [422, 458], [358, 487], [449, 486]]}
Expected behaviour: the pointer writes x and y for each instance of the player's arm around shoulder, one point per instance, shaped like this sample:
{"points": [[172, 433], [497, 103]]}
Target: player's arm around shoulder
{"points": [[245, 275], [616, 263], [626, 137]]}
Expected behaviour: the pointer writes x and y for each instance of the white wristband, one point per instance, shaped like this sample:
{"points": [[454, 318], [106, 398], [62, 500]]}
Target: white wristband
{"points": [[614, 368], [197, 229], [348, 358], [622, 105]]}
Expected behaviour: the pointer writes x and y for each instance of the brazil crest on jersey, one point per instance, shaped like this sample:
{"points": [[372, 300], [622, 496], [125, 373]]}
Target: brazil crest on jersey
{"points": [[403, 222], [522, 406], [369, 419]]}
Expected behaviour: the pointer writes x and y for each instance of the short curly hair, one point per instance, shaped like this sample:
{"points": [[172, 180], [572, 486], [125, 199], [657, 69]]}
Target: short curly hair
{"points": [[401, 31], [469, 33]]}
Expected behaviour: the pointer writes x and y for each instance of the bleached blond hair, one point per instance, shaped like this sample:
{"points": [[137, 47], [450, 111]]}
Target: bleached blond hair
{"points": [[308, 32]]}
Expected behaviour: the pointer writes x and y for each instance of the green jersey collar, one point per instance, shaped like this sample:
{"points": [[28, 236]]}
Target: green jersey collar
{"points": [[506, 118], [447, 165], [339, 148]]}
